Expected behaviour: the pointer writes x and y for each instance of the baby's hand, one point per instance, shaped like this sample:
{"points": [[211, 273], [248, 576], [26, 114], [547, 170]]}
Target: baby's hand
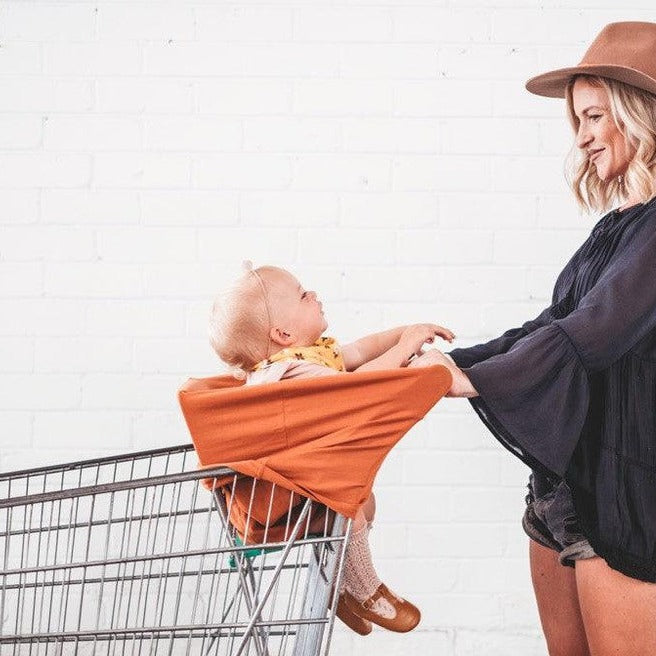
{"points": [[416, 335]]}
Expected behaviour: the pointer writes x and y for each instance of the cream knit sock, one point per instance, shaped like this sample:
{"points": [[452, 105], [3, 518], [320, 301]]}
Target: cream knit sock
{"points": [[360, 578]]}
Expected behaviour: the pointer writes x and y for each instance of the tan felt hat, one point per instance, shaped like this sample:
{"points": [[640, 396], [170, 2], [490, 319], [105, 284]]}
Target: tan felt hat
{"points": [[622, 51]]}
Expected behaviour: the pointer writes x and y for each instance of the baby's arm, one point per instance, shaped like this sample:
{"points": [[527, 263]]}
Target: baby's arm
{"points": [[370, 347], [391, 349]]}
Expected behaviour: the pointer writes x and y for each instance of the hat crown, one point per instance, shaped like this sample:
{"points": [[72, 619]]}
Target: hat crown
{"points": [[631, 44], [624, 51]]}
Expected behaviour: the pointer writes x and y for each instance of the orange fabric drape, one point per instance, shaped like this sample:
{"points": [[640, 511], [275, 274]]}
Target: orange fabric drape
{"points": [[324, 438]]}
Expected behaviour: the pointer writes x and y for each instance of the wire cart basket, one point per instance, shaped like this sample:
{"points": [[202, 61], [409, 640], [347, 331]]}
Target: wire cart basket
{"points": [[133, 556]]}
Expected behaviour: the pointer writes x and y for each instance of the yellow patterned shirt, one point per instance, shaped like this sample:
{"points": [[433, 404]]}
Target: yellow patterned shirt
{"points": [[325, 351]]}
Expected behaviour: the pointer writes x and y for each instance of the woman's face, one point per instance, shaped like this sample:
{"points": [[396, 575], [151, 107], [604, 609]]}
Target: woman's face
{"points": [[598, 137]]}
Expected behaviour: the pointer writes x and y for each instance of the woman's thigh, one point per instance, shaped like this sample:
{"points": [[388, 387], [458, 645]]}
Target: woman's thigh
{"points": [[619, 612], [558, 604]]}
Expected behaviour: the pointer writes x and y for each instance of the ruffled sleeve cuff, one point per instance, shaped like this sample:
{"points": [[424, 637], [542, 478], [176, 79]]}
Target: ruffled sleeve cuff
{"points": [[534, 398]]}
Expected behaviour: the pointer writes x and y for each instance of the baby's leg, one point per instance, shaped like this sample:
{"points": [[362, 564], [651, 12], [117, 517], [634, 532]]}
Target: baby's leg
{"points": [[365, 514], [360, 577], [369, 598], [369, 509]]}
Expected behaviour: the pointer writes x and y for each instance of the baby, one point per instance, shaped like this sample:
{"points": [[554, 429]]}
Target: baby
{"points": [[268, 328]]}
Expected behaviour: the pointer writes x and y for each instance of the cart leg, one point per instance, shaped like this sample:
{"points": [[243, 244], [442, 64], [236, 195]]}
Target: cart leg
{"points": [[251, 628], [319, 589], [247, 585]]}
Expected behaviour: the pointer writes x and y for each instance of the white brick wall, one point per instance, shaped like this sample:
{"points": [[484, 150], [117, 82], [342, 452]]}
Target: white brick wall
{"points": [[384, 150]]}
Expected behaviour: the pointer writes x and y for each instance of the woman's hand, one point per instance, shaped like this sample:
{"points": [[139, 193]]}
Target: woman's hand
{"points": [[416, 335], [461, 386]]}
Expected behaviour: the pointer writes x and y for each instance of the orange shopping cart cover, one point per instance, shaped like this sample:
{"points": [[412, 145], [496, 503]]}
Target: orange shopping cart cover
{"points": [[324, 438]]}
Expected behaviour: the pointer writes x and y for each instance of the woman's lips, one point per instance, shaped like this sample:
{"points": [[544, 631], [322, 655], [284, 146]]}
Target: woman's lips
{"points": [[595, 153]]}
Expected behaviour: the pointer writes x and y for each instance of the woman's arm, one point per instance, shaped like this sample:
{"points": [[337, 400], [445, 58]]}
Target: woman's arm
{"points": [[390, 349]]}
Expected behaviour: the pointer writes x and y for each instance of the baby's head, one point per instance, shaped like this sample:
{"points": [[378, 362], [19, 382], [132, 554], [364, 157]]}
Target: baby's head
{"points": [[264, 311]]}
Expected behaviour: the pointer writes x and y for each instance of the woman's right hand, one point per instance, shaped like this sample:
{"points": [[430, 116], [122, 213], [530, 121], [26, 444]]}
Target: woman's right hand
{"points": [[461, 385]]}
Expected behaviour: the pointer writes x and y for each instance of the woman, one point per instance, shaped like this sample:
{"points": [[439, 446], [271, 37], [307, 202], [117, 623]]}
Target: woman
{"points": [[573, 392]]}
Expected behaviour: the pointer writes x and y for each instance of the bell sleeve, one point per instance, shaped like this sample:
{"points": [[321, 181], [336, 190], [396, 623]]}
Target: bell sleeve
{"points": [[466, 357], [535, 396]]}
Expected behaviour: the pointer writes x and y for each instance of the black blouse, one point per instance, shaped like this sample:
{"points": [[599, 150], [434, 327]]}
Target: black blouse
{"points": [[573, 392]]}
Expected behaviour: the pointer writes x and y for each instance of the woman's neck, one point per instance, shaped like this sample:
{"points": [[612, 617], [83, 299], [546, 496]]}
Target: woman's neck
{"points": [[629, 202]]}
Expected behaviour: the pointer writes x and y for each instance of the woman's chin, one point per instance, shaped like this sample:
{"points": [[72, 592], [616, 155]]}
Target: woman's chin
{"points": [[601, 172]]}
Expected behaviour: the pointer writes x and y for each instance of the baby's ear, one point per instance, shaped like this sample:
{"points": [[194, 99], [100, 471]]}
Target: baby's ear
{"points": [[280, 337]]}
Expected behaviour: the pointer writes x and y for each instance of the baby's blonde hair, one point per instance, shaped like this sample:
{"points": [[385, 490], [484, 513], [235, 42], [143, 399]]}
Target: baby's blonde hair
{"points": [[634, 113], [240, 321]]}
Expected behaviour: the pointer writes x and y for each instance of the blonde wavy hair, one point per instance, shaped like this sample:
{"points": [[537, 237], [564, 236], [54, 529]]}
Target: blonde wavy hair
{"points": [[634, 113], [240, 320]]}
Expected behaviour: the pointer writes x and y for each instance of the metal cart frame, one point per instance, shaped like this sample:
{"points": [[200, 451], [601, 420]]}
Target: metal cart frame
{"points": [[129, 555]]}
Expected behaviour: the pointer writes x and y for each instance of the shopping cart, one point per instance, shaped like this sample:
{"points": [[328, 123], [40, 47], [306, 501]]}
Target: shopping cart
{"points": [[132, 555]]}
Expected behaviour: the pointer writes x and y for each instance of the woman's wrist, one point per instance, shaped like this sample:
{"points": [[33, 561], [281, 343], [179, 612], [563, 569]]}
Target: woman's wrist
{"points": [[461, 387]]}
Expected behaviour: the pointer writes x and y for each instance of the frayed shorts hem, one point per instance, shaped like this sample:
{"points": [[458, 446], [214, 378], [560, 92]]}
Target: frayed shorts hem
{"points": [[540, 533]]}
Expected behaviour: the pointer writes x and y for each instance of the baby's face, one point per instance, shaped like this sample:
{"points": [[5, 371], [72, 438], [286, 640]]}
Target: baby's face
{"points": [[294, 310]]}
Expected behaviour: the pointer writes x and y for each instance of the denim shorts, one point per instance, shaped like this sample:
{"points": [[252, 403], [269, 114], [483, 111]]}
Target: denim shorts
{"points": [[550, 520]]}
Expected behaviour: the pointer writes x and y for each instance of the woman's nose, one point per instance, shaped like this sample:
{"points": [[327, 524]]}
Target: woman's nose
{"points": [[583, 136]]}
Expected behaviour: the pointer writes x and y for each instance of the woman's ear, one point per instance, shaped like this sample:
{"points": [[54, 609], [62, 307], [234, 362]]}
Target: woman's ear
{"points": [[280, 337]]}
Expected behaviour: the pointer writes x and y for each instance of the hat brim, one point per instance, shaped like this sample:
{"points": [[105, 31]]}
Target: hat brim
{"points": [[554, 83]]}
